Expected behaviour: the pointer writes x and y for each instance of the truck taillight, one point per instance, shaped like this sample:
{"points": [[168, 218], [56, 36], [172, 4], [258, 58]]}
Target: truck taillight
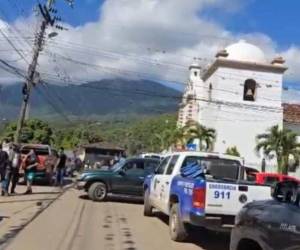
{"points": [[199, 198]]}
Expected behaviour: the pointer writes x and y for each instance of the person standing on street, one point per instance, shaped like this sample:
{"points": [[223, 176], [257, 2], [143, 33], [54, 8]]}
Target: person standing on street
{"points": [[8, 173], [15, 167], [3, 171], [60, 168], [30, 164]]}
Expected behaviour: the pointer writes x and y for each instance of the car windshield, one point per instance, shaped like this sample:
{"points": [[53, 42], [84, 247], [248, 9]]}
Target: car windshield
{"points": [[38, 151], [288, 192]]}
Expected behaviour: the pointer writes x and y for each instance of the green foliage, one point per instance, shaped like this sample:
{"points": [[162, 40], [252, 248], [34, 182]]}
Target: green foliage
{"points": [[34, 131], [150, 135], [281, 143], [136, 134], [233, 151], [194, 130], [73, 137]]}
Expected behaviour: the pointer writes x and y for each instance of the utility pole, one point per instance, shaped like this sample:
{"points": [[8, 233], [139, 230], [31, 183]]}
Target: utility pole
{"points": [[32, 76]]}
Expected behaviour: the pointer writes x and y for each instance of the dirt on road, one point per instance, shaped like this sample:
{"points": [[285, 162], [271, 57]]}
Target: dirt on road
{"points": [[75, 223], [18, 210]]}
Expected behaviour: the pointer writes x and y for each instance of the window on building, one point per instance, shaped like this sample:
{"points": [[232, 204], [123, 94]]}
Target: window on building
{"points": [[250, 90], [195, 73]]}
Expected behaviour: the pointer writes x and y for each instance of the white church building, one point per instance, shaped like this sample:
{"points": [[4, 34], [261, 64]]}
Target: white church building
{"points": [[239, 95]]}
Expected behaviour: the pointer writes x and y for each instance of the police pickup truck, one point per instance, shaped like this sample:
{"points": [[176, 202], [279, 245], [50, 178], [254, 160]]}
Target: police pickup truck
{"points": [[200, 189]]}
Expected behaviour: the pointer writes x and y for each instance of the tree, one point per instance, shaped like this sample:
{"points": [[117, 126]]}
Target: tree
{"points": [[279, 143], [150, 134], [34, 131], [233, 151], [74, 137], [177, 138], [194, 130]]}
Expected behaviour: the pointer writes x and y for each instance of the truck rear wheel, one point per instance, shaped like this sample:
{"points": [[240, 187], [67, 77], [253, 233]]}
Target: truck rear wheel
{"points": [[97, 191], [148, 209], [178, 230]]}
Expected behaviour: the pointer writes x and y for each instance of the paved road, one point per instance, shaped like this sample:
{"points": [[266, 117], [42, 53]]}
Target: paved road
{"points": [[75, 223], [16, 211]]}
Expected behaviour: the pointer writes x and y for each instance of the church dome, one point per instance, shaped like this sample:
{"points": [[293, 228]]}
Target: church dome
{"points": [[243, 51]]}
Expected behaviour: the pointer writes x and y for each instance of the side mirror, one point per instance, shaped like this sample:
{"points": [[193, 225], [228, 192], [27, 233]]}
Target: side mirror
{"points": [[156, 170], [122, 172]]}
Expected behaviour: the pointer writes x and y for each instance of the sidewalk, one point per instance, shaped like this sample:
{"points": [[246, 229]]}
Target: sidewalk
{"points": [[17, 211], [56, 227]]}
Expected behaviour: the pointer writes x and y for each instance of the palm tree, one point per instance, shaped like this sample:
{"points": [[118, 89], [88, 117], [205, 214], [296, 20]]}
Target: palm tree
{"points": [[194, 130], [233, 151], [281, 143], [161, 141], [169, 138], [177, 138]]}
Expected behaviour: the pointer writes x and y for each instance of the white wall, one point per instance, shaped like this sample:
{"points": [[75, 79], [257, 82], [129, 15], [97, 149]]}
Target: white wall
{"points": [[232, 80], [238, 122]]}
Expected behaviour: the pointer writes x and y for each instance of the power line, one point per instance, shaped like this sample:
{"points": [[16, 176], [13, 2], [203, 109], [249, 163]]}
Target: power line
{"points": [[145, 75], [53, 105], [11, 69], [15, 30], [47, 20], [12, 45], [220, 102], [16, 72], [137, 92], [118, 56], [92, 48]]}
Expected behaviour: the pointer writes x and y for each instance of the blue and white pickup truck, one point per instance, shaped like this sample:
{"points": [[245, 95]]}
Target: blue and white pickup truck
{"points": [[211, 199]]}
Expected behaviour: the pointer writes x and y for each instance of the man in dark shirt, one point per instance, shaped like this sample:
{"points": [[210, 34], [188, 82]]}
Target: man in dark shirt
{"points": [[60, 168], [3, 171]]}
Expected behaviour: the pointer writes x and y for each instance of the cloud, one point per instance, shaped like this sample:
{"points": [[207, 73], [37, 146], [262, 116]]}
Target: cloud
{"points": [[291, 96], [292, 56], [156, 39]]}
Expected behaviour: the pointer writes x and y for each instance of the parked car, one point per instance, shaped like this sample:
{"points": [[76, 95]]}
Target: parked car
{"points": [[271, 224], [269, 178], [124, 178], [47, 158], [152, 156], [200, 189]]}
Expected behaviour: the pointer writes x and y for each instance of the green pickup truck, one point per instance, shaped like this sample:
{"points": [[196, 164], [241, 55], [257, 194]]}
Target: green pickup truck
{"points": [[124, 178]]}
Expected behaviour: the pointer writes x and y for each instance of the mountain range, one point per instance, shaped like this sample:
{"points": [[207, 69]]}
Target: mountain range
{"points": [[98, 98]]}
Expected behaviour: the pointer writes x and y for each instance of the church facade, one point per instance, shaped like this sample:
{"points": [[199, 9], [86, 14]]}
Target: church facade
{"points": [[239, 95]]}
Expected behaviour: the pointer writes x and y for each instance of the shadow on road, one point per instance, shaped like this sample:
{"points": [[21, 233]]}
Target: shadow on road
{"points": [[43, 183], [118, 199], [28, 200], [203, 238], [10, 235]]}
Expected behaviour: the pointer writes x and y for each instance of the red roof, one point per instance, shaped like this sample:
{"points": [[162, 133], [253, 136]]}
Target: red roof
{"points": [[291, 113]]}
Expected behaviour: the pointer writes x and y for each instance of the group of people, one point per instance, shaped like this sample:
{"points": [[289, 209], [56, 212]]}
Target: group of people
{"points": [[105, 163], [12, 162], [9, 169]]}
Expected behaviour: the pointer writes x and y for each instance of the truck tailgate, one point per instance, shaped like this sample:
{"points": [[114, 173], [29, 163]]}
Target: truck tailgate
{"points": [[228, 199]]}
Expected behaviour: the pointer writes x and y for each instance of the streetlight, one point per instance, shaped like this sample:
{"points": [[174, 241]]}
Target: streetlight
{"points": [[52, 34]]}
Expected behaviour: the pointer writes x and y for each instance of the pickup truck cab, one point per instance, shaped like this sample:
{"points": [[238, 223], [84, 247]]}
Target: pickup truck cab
{"points": [[211, 200], [270, 178], [47, 158], [124, 178]]}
